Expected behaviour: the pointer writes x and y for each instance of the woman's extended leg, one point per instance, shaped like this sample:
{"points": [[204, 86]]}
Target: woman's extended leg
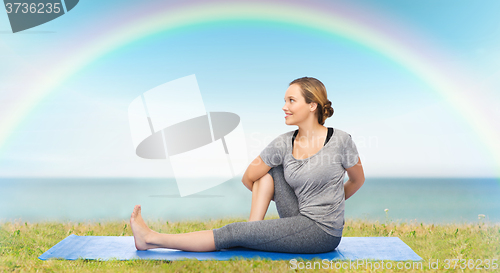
{"points": [[262, 193], [145, 238], [297, 234]]}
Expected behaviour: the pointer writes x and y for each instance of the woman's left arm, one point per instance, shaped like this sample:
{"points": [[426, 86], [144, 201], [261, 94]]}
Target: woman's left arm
{"points": [[356, 179]]}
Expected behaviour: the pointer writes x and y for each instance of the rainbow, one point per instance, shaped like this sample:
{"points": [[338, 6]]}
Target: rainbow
{"points": [[294, 14]]}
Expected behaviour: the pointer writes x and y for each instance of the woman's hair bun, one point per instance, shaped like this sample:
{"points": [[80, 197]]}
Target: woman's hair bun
{"points": [[327, 109]]}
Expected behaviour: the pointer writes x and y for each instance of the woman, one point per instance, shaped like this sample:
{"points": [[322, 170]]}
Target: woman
{"points": [[302, 171]]}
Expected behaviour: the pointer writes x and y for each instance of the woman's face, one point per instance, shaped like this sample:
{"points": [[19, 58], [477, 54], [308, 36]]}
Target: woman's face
{"points": [[296, 109]]}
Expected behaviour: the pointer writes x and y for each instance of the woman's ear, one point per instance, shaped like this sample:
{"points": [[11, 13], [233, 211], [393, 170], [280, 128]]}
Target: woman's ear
{"points": [[313, 106]]}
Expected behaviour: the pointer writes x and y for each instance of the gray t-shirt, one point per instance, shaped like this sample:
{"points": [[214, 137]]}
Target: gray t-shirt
{"points": [[318, 181]]}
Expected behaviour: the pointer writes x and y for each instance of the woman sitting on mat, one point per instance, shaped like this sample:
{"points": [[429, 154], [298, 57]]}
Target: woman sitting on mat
{"points": [[302, 171]]}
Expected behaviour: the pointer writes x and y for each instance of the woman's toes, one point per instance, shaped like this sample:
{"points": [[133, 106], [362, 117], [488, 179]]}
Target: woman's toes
{"points": [[136, 212]]}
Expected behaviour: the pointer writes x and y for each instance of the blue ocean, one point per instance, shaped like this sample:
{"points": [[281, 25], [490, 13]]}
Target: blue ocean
{"points": [[427, 200]]}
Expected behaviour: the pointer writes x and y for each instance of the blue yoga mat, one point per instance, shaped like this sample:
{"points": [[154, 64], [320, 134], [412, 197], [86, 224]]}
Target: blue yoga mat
{"points": [[123, 248]]}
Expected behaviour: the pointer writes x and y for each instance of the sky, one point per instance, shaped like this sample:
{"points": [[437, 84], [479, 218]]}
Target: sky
{"points": [[402, 126]]}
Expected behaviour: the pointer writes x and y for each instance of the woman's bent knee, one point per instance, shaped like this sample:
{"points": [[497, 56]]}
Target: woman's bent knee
{"points": [[269, 178], [265, 181], [267, 184]]}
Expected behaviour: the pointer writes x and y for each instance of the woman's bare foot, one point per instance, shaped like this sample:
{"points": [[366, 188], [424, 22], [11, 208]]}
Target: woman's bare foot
{"points": [[141, 231]]}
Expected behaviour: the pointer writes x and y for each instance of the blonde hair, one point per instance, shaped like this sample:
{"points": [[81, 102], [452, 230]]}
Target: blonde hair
{"points": [[313, 90]]}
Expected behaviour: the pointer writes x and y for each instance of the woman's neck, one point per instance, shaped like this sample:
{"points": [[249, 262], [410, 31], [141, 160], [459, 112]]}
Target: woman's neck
{"points": [[311, 133]]}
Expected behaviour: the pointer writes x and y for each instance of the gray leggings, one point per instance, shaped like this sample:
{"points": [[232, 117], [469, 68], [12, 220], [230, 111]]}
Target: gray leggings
{"points": [[291, 233]]}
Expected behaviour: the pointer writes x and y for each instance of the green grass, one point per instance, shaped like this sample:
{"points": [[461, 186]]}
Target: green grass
{"points": [[21, 243]]}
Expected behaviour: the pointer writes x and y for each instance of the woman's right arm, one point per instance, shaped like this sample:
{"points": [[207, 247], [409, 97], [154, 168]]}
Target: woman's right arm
{"points": [[254, 172]]}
